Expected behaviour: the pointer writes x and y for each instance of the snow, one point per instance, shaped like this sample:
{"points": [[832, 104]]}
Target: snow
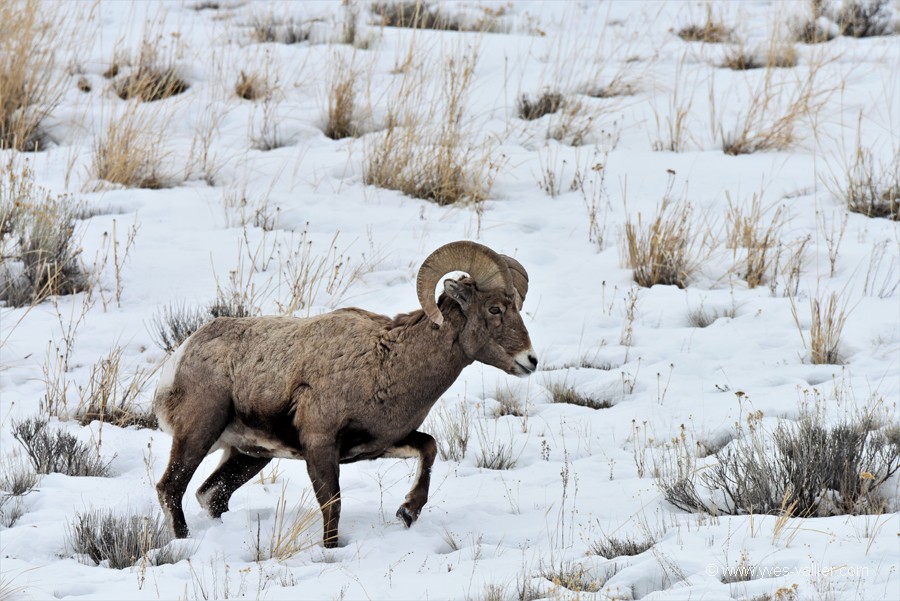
{"points": [[580, 474]]}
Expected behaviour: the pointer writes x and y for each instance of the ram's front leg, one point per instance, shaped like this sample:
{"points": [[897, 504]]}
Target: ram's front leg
{"points": [[423, 446]]}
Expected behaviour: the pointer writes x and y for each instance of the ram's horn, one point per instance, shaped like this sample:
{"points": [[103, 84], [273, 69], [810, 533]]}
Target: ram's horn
{"points": [[488, 269]]}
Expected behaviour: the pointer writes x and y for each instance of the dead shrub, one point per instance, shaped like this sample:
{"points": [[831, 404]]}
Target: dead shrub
{"points": [[30, 84], [175, 322], [120, 541], [804, 468], [57, 451], [864, 18], [545, 104], [39, 241], [812, 31]]}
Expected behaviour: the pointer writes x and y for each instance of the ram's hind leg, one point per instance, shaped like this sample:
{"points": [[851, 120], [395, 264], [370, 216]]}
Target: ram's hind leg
{"points": [[187, 453], [423, 446], [234, 470], [191, 442]]}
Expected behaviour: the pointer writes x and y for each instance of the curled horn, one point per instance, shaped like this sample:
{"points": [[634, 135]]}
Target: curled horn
{"points": [[519, 276], [488, 269]]}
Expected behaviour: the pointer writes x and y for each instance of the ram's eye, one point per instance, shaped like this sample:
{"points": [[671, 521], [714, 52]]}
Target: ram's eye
{"points": [[495, 310]]}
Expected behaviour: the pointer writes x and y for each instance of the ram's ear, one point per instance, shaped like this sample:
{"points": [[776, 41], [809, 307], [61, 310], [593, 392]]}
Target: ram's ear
{"points": [[461, 292]]}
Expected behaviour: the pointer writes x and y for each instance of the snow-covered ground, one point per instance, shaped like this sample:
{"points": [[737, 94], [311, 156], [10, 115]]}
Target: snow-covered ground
{"points": [[580, 475]]}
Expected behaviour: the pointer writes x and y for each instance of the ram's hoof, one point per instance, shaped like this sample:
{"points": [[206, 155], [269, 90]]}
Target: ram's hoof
{"points": [[407, 517]]}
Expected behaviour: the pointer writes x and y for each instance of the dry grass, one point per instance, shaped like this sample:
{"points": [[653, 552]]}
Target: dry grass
{"points": [[39, 241], [777, 54], [870, 188], [712, 31], [128, 152], [252, 86], [422, 15], [778, 107], [673, 129], [547, 103], [426, 151], [703, 318], [618, 86], [746, 230], [828, 315], [30, 84], [153, 78], [269, 29], [611, 546], [341, 101], [111, 398], [293, 531], [662, 251], [451, 429], [560, 392]]}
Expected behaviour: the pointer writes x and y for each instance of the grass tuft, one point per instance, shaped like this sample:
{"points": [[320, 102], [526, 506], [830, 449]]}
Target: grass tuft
{"points": [[712, 31], [341, 100], [271, 30], [871, 189], [112, 399], [153, 79], [662, 252], [560, 392], [429, 155], [128, 151], [292, 531], [422, 15], [545, 104], [611, 547], [251, 86]]}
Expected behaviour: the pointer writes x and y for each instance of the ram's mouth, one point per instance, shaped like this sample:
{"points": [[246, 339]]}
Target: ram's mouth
{"points": [[522, 370]]}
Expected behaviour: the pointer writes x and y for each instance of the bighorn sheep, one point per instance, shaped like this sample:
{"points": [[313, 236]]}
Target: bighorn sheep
{"points": [[335, 388]]}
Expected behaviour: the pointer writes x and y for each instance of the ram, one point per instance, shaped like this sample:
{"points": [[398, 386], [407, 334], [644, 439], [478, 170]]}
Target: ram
{"points": [[336, 388]]}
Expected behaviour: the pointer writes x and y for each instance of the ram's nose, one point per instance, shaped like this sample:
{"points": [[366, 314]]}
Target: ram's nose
{"points": [[526, 363]]}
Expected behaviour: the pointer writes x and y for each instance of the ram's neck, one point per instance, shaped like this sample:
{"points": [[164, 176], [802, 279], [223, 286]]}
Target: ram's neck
{"points": [[422, 360]]}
